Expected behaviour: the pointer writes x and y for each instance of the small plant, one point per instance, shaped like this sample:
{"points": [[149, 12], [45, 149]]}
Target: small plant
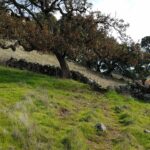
{"points": [[120, 109], [126, 119]]}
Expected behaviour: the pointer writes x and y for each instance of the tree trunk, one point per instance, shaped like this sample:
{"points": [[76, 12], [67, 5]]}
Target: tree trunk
{"points": [[64, 66], [110, 68]]}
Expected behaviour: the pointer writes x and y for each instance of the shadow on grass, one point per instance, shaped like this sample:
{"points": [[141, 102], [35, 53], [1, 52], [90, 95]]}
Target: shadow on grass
{"points": [[9, 75]]}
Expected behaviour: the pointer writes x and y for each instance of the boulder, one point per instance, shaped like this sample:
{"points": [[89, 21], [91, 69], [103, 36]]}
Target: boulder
{"points": [[147, 131], [146, 97], [100, 127]]}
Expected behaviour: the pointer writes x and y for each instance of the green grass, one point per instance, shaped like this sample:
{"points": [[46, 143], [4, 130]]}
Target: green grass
{"points": [[38, 112]]}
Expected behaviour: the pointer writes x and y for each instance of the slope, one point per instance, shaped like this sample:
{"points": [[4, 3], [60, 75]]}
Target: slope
{"points": [[45, 113]]}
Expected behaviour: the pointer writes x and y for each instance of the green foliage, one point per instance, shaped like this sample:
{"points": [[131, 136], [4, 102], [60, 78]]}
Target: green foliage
{"points": [[126, 119], [145, 43]]}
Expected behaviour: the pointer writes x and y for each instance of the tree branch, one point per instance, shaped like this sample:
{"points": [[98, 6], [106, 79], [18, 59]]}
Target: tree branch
{"points": [[21, 6]]}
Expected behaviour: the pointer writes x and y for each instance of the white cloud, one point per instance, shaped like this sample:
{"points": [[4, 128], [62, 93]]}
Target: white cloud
{"points": [[135, 12]]}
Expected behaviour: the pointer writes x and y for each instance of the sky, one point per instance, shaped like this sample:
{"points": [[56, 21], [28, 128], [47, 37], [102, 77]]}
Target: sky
{"points": [[134, 12]]}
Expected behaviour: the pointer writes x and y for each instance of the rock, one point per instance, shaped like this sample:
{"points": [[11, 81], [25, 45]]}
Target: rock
{"points": [[95, 86], [147, 131], [100, 127], [146, 97], [123, 89], [110, 88], [137, 90]]}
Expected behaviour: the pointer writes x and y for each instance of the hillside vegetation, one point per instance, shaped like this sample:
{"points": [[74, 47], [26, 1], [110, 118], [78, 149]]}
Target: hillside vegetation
{"points": [[38, 112]]}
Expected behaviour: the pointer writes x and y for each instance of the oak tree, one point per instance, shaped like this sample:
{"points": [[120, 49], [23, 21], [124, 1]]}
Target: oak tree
{"points": [[78, 32], [145, 43]]}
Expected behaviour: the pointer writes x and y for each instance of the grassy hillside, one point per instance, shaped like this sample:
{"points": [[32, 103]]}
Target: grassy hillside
{"points": [[38, 112]]}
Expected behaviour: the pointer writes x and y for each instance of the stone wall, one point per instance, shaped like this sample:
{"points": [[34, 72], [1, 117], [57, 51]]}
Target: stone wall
{"points": [[51, 71], [137, 89]]}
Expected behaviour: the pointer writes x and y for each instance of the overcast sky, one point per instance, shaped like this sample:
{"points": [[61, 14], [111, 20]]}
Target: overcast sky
{"points": [[135, 12]]}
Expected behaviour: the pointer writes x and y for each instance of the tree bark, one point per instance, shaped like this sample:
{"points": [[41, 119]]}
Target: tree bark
{"points": [[64, 66]]}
